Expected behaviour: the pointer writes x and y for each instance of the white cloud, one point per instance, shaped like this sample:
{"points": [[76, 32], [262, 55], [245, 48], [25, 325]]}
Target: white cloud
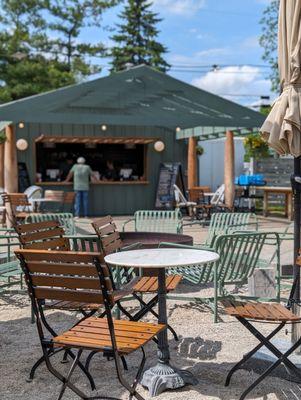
{"points": [[180, 7], [234, 80]]}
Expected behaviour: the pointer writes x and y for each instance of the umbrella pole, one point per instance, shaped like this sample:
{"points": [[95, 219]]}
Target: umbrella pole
{"points": [[296, 332]]}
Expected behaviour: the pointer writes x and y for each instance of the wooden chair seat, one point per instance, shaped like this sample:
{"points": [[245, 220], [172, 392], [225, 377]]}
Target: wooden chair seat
{"points": [[149, 284], [272, 312], [94, 334], [22, 214]]}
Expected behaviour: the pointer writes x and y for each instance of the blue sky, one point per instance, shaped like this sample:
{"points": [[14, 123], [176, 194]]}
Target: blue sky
{"points": [[201, 33]]}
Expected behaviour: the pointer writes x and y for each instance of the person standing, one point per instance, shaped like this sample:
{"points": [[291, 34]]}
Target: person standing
{"points": [[81, 174]]}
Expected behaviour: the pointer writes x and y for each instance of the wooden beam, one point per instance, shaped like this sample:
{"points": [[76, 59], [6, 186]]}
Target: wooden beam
{"points": [[192, 162], [229, 169], [10, 161]]}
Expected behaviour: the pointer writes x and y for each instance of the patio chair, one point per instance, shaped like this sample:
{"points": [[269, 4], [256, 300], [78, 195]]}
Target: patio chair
{"points": [[50, 236], [239, 254], [65, 219], [157, 221], [248, 313], [82, 277], [110, 242], [17, 206], [182, 202], [221, 223]]}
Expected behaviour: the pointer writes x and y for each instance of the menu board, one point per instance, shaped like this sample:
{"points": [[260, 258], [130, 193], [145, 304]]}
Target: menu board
{"points": [[24, 181], [169, 175]]}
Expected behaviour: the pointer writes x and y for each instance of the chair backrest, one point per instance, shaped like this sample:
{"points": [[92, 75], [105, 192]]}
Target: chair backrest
{"points": [[65, 219], [221, 223], [65, 276], [158, 221], [239, 254], [17, 202], [56, 195], [218, 196], [179, 196], [109, 237], [46, 235]]}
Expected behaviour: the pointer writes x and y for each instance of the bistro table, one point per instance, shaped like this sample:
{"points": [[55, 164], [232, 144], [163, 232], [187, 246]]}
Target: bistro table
{"points": [[163, 375]]}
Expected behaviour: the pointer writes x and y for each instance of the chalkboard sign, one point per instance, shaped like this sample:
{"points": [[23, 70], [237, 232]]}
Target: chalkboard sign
{"points": [[23, 177], [169, 175]]}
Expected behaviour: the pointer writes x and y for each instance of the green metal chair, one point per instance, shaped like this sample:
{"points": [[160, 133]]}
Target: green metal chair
{"points": [[223, 223], [157, 221], [10, 271], [65, 219], [239, 254]]}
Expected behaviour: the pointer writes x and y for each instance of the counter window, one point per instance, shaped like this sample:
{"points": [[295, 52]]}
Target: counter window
{"points": [[115, 159]]}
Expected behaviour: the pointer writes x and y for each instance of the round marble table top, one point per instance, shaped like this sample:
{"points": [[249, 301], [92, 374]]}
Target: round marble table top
{"points": [[161, 258]]}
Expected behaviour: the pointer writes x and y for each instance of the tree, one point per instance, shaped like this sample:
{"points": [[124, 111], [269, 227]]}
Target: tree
{"points": [[269, 41], [40, 48], [67, 18], [23, 70], [136, 38]]}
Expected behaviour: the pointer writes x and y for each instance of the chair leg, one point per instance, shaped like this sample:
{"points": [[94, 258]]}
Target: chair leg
{"points": [[60, 377], [265, 341], [249, 355], [131, 388], [66, 380]]}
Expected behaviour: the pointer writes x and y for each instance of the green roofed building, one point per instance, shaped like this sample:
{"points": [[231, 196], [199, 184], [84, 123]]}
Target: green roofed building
{"points": [[117, 118]]}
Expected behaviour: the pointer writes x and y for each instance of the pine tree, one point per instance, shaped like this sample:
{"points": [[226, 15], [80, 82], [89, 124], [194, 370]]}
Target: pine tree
{"points": [[136, 38]]}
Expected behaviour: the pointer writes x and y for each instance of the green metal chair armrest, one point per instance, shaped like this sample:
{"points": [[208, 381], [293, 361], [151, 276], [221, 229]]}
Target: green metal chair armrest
{"points": [[126, 222]]}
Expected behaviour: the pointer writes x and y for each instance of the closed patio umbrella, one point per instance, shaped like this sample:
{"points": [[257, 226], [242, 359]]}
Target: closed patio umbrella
{"points": [[282, 128]]}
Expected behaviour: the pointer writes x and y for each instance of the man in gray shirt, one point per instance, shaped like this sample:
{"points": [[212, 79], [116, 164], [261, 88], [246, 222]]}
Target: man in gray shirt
{"points": [[81, 174]]}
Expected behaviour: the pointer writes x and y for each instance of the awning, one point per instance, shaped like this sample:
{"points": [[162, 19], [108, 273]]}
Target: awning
{"points": [[95, 140], [210, 133]]}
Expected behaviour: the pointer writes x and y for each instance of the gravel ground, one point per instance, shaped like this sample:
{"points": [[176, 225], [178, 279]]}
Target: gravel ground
{"points": [[208, 350]]}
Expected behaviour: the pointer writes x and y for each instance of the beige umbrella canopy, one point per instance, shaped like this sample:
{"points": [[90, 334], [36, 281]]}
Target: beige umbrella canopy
{"points": [[282, 128]]}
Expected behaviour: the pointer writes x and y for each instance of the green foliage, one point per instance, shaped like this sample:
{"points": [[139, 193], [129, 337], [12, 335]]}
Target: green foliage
{"points": [[2, 137], [136, 40], [199, 150], [269, 40], [255, 147], [40, 48]]}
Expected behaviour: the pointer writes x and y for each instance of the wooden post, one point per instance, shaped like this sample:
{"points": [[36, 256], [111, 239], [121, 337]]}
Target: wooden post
{"points": [[10, 161], [2, 165], [229, 169], [192, 162]]}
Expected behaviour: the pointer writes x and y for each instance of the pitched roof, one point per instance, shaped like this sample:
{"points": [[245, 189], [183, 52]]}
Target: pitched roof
{"points": [[138, 96]]}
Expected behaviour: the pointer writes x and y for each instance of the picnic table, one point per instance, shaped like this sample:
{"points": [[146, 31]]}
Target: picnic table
{"points": [[163, 375], [288, 194]]}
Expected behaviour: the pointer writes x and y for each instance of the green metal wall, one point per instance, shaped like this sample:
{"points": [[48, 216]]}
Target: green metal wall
{"points": [[112, 199]]}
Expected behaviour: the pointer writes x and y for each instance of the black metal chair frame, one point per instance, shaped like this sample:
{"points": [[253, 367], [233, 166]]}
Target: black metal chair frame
{"points": [[266, 341], [49, 350]]}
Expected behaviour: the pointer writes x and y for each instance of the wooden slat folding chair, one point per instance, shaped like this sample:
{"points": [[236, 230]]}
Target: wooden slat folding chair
{"points": [[111, 242], [82, 277], [18, 207], [249, 313]]}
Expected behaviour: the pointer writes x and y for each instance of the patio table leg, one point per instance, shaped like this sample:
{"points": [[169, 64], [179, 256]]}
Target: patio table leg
{"points": [[163, 376]]}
